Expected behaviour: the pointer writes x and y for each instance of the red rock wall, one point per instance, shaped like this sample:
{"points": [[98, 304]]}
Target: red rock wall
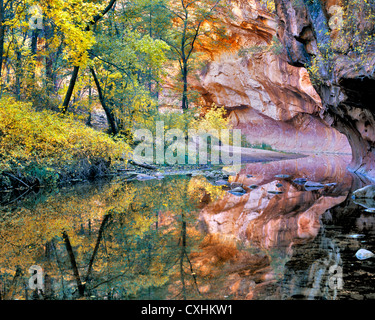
{"points": [[347, 79], [272, 101]]}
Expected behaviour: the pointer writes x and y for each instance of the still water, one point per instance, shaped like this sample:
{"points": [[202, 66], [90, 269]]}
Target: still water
{"points": [[186, 237]]}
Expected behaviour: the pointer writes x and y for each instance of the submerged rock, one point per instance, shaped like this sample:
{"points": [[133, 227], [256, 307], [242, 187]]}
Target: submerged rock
{"points": [[253, 186], [363, 254], [366, 192]]}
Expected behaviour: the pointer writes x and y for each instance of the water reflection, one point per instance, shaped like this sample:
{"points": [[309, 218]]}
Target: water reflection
{"points": [[185, 238]]}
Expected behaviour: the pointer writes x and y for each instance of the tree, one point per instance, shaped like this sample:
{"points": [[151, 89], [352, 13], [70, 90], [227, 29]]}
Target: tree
{"points": [[192, 19], [73, 79], [128, 62]]}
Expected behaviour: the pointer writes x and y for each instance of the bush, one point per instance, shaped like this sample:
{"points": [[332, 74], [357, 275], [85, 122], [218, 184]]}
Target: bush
{"points": [[48, 147]]}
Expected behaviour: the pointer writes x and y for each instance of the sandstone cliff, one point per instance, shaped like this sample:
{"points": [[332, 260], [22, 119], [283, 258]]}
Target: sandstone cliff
{"points": [[336, 40], [272, 101]]}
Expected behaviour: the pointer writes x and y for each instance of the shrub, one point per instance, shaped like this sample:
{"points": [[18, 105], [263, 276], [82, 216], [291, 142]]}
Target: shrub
{"points": [[48, 147]]}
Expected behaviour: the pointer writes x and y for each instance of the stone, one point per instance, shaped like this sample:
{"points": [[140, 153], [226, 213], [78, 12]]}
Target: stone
{"points": [[331, 184], [355, 236], [210, 175], [370, 296], [196, 174], [222, 183], [363, 254], [239, 190], [235, 185], [365, 202], [356, 296], [301, 181], [282, 176], [144, 177], [275, 192], [366, 192], [238, 194], [229, 173], [311, 186]]}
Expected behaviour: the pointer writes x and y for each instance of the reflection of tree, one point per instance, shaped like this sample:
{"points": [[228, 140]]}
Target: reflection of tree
{"points": [[82, 286], [184, 282], [119, 240], [184, 255]]}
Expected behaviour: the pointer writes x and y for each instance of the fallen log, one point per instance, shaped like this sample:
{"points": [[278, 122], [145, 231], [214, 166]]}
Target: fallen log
{"points": [[142, 165]]}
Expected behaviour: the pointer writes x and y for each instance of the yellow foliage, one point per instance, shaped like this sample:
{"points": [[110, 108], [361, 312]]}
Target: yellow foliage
{"points": [[46, 140], [215, 118]]}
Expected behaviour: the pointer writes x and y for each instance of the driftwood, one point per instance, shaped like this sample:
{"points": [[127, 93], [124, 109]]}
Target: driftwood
{"points": [[142, 165]]}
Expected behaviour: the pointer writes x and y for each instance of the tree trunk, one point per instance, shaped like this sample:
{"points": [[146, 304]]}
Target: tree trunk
{"points": [[182, 255], [76, 69], [51, 83], [34, 47], [2, 33], [107, 110], [98, 240], [18, 74], [185, 104], [69, 93], [68, 246], [13, 286]]}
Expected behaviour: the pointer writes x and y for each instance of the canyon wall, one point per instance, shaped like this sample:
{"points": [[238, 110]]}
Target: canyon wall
{"points": [[270, 100], [336, 40]]}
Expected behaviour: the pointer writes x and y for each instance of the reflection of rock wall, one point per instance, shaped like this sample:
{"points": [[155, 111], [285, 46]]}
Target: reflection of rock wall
{"points": [[278, 220], [283, 225], [318, 276], [270, 100], [270, 220]]}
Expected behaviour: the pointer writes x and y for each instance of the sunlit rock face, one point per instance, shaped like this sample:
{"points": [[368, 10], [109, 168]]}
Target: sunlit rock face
{"points": [[270, 100], [347, 80]]}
